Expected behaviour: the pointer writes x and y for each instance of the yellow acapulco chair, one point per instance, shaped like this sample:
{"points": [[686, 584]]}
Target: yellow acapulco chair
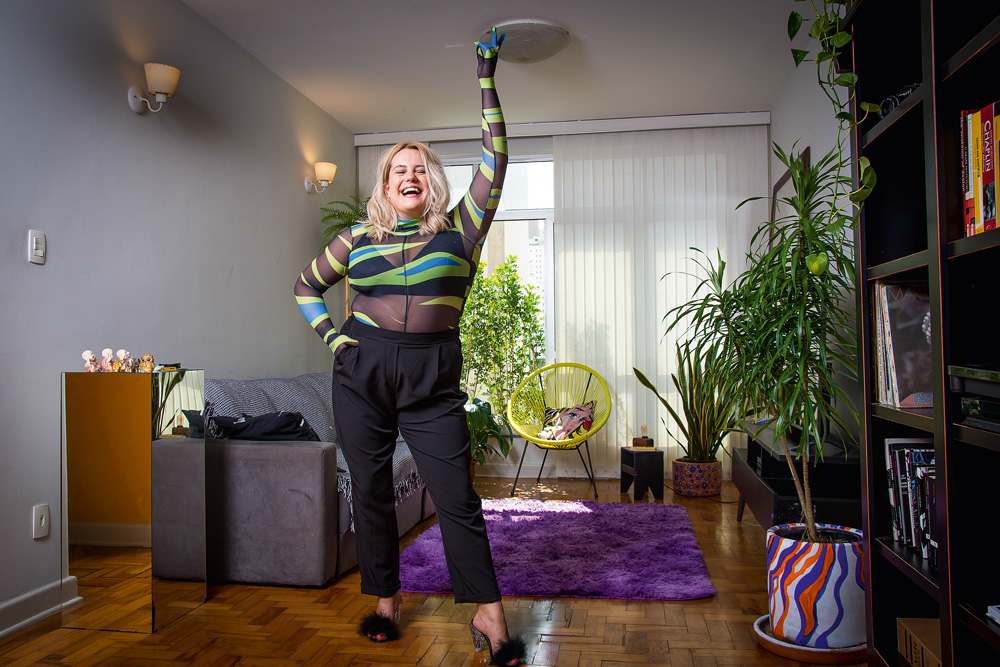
{"points": [[559, 406]]}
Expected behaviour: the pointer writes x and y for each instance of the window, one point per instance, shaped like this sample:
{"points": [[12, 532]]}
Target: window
{"points": [[522, 225]]}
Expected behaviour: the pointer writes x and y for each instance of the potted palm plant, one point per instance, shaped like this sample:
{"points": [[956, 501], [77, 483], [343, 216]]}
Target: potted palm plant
{"points": [[709, 412], [787, 325]]}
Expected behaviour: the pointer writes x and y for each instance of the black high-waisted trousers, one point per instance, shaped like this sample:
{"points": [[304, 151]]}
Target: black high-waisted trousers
{"points": [[409, 381]]}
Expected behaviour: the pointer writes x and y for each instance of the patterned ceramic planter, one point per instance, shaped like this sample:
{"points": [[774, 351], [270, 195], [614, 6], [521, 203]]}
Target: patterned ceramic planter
{"points": [[816, 592], [697, 478]]}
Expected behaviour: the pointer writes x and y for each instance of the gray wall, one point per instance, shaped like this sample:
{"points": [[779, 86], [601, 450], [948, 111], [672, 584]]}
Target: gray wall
{"points": [[179, 234], [802, 112]]}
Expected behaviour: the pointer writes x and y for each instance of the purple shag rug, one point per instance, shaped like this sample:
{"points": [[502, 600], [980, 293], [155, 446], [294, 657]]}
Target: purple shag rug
{"points": [[576, 549]]}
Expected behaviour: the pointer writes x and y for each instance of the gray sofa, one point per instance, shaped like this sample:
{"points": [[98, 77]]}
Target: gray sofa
{"points": [[276, 512]]}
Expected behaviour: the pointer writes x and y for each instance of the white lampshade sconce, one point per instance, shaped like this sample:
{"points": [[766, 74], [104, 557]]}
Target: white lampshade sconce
{"points": [[325, 171], [161, 80]]}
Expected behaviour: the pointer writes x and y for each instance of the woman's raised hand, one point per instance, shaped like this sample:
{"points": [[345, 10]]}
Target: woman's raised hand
{"points": [[487, 54]]}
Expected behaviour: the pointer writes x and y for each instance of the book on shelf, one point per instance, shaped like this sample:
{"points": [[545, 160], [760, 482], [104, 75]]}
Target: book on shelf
{"points": [[903, 348], [919, 641], [968, 198], [895, 451], [989, 198], [976, 137], [919, 465], [905, 457], [930, 491], [979, 151]]}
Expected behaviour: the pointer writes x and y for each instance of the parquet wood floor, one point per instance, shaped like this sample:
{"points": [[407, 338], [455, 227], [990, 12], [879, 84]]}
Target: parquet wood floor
{"points": [[294, 627]]}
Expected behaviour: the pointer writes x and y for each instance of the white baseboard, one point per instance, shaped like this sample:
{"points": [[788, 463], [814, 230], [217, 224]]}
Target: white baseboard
{"points": [[32, 607], [70, 592], [110, 534]]}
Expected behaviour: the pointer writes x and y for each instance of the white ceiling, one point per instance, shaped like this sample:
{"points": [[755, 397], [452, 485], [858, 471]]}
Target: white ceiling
{"points": [[390, 65]]}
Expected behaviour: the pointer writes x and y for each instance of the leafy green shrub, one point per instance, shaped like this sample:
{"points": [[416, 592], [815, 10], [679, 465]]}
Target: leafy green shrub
{"points": [[502, 334]]}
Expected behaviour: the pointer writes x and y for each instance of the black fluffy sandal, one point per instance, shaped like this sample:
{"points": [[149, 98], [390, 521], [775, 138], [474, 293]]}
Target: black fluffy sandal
{"points": [[379, 628], [508, 653]]}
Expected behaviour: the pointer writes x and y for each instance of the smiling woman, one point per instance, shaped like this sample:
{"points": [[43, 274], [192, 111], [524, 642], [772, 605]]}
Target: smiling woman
{"points": [[398, 363], [407, 186], [414, 186]]}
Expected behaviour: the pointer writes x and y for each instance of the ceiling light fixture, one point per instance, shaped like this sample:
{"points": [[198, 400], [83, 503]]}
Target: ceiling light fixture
{"points": [[325, 171], [161, 80], [529, 40]]}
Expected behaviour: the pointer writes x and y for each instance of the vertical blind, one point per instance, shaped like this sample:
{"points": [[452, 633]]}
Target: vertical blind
{"points": [[628, 208]]}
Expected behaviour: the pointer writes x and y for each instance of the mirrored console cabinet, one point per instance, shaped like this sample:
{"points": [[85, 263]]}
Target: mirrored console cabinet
{"points": [[126, 446]]}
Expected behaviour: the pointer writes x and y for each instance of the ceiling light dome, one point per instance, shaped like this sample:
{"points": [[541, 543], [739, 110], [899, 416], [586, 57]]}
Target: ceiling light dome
{"points": [[529, 40]]}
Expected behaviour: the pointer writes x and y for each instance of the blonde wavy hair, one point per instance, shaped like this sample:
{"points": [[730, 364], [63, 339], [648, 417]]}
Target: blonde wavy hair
{"points": [[381, 214]]}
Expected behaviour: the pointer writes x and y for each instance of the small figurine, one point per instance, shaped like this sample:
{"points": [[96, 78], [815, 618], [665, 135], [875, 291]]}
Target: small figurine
{"points": [[91, 364], [146, 363], [124, 362], [107, 357]]}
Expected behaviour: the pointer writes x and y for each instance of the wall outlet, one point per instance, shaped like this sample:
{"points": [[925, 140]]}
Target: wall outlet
{"points": [[39, 521]]}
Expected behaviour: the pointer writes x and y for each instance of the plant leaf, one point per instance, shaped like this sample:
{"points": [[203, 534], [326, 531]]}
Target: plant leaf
{"points": [[840, 39], [860, 194], [794, 23], [847, 79], [798, 55]]}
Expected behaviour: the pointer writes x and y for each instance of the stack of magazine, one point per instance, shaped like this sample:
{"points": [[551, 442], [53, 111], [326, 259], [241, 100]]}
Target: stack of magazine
{"points": [[903, 345], [912, 481]]}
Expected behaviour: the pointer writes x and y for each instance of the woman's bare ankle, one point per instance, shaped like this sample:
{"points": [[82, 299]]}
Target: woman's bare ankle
{"points": [[491, 622], [388, 606]]}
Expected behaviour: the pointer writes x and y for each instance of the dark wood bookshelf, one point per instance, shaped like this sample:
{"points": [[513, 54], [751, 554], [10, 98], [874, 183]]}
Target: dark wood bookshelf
{"points": [[970, 244], [898, 269], [912, 228], [978, 437], [981, 624], [978, 46], [908, 561], [921, 419], [908, 104]]}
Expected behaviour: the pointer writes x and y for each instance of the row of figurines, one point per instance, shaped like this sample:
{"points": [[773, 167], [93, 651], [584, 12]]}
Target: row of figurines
{"points": [[120, 362]]}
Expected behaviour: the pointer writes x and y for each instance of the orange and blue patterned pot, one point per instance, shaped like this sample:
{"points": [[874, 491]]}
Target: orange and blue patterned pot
{"points": [[697, 478], [816, 592]]}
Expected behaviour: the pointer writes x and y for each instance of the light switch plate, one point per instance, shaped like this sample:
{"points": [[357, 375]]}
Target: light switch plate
{"points": [[40, 521], [36, 246]]}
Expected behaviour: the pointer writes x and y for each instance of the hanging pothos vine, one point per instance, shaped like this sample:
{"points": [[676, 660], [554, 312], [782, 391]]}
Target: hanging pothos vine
{"points": [[826, 27]]}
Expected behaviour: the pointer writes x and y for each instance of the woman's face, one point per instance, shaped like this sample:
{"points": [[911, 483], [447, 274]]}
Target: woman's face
{"points": [[407, 185]]}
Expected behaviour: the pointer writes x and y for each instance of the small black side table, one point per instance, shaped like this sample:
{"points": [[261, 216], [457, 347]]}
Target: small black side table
{"points": [[645, 468]]}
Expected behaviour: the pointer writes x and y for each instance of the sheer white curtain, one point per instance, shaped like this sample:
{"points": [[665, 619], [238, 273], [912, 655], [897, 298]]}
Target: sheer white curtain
{"points": [[368, 157], [628, 208]]}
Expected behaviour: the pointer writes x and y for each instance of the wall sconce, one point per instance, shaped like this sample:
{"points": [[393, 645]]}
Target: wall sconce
{"points": [[325, 171], [161, 81]]}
